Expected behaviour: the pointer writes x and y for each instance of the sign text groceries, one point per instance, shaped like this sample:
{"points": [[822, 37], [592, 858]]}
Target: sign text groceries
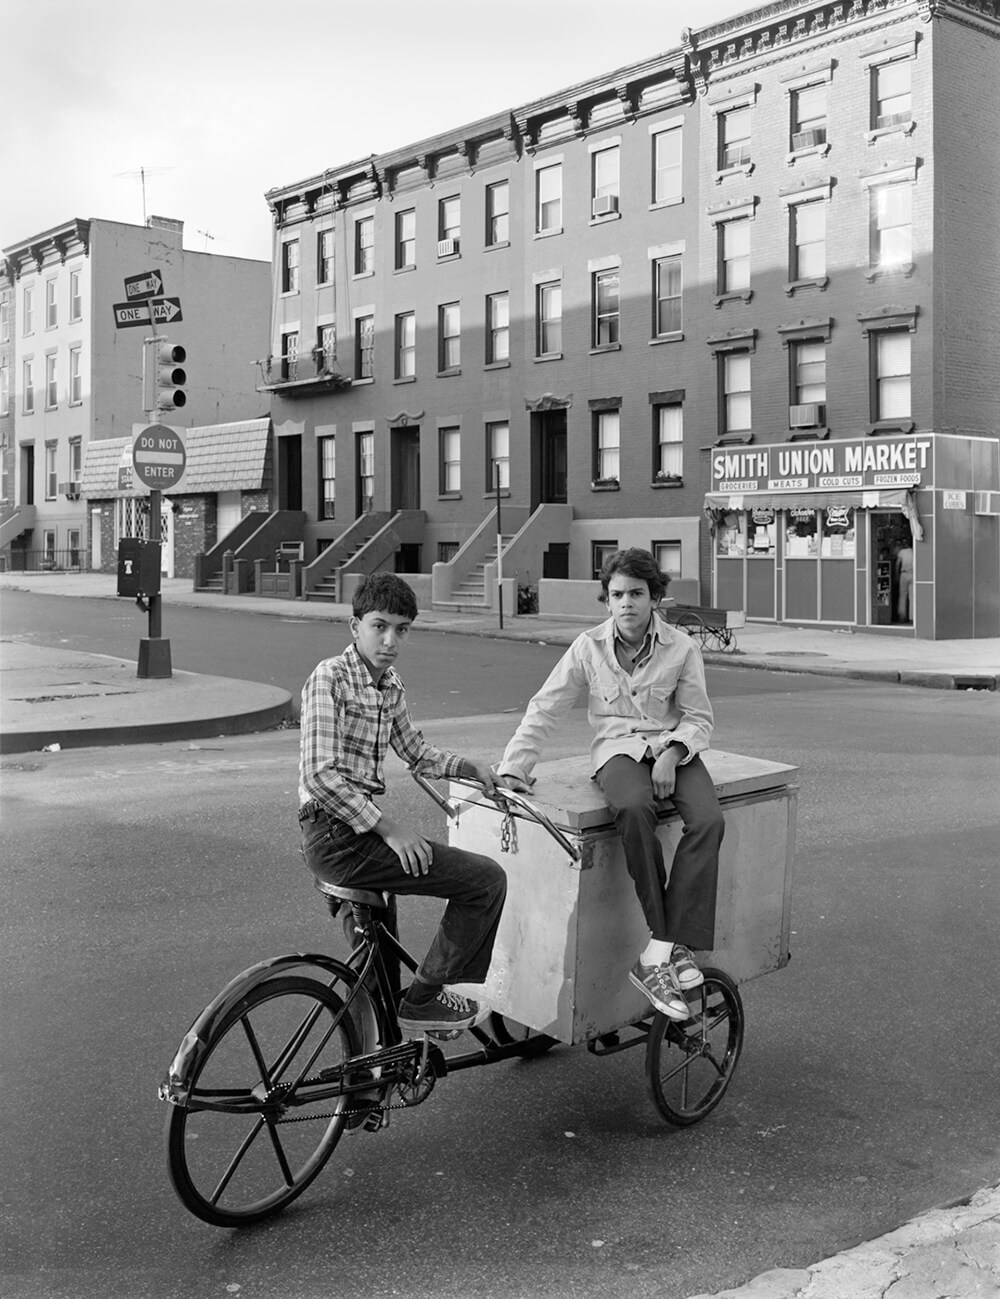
{"points": [[836, 465]]}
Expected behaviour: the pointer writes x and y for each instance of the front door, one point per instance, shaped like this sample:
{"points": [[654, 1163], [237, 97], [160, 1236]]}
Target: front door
{"points": [[290, 473], [548, 458], [405, 469]]}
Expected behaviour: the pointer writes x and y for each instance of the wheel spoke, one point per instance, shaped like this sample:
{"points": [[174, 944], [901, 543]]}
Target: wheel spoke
{"points": [[236, 1160]]}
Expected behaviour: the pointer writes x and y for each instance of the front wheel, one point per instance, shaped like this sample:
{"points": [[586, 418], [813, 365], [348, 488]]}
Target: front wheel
{"points": [[689, 1065], [254, 1131]]}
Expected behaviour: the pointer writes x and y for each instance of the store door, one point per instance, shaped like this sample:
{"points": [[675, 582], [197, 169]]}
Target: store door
{"points": [[891, 570]]}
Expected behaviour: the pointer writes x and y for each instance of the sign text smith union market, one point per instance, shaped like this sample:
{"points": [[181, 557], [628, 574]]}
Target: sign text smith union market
{"points": [[888, 462]]}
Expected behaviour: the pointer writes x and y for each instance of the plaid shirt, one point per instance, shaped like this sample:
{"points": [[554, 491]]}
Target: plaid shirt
{"points": [[346, 728]]}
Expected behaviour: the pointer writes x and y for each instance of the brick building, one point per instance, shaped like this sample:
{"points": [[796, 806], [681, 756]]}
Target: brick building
{"points": [[738, 303], [75, 378]]}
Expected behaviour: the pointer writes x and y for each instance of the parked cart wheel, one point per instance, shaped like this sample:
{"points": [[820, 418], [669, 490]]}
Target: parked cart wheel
{"points": [[689, 1065], [690, 623]]}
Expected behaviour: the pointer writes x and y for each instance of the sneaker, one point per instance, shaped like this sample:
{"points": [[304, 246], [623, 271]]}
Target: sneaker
{"points": [[659, 984], [686, 972], [446, 1013]]}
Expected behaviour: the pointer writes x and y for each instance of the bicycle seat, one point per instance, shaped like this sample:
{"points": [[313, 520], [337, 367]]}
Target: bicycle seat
{"points": [[364, 897]]}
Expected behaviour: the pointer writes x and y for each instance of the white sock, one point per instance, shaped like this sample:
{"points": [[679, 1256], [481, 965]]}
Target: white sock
{"points": [[657, 952]]}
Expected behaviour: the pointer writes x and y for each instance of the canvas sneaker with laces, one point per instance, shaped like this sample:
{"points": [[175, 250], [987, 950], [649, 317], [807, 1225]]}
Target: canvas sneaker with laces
{"points": [[659, 983], [446, 1013], [687, 973]]}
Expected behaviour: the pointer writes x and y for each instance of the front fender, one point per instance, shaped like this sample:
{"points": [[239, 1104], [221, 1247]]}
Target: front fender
{"points": [[194, 1045]]}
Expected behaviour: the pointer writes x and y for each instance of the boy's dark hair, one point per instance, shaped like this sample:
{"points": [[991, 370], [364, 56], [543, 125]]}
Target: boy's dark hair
{"points": [[384, 593], [637, 563]]}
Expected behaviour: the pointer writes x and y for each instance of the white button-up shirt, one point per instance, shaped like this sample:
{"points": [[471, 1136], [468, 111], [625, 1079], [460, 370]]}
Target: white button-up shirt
{"points": [[663, 701]]}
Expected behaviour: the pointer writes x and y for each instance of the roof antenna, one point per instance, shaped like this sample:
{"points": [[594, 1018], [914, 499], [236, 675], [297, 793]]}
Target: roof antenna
{"points": [[142, 173], [207, 237]]}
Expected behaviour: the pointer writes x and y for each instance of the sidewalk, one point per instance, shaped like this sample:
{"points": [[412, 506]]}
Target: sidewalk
{"points": [[61, 697]]}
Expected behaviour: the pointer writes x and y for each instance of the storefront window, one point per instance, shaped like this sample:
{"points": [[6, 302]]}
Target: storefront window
{"points": [[730, 538], [838, 533], [763, 531], [801, 541]]}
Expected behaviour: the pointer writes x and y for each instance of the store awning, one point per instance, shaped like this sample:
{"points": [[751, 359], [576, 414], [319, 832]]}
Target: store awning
{"points": [[717, 503]]}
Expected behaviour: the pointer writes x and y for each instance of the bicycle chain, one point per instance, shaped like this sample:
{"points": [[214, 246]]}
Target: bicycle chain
{"points": [[428, 1078]]}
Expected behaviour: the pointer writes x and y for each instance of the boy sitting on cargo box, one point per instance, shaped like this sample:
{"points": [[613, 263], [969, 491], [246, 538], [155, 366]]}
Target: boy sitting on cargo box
{"points": [[651, 718], [353, 710]]}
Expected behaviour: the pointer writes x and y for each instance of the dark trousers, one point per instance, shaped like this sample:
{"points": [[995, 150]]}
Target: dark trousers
{"points": [[683, 909], [474, 886]]}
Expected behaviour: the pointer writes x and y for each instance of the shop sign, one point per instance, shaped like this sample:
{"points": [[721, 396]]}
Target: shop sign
{"points": [[863, 464], [954, 500]]}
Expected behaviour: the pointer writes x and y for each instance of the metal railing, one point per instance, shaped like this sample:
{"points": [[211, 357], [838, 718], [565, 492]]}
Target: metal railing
{"points": [[73, 560]]}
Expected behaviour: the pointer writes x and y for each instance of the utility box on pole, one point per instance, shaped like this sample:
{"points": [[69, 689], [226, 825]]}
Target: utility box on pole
{"points": [[138, 567]]}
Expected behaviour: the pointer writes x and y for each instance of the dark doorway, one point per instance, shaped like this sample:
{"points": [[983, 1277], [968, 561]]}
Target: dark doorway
{"points": [[290, 473], [27, 475], [555, 561], [548, 458], [408, 557], [405, 469]]}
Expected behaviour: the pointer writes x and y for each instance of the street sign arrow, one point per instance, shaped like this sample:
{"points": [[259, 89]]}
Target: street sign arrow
{"points": [[130, 314], [147, 285], [166, 310]]}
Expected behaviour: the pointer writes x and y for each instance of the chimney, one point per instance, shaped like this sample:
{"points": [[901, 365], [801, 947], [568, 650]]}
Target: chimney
{"points": [[166, 223]]}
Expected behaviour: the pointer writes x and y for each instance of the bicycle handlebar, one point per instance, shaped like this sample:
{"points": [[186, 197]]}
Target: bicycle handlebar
{"points": [[501, 798]]}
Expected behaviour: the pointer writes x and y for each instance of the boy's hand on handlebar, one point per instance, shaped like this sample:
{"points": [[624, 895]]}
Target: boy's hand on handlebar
{"points": [[483, 772], [512, 782], [414, 852]]}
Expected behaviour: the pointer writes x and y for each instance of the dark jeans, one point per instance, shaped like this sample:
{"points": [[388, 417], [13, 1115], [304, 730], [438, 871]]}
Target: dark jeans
{"points": [[684, 911], [474, 886]]}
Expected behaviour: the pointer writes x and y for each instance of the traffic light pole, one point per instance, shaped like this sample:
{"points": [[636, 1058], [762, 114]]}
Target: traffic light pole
{"points": [[154, 652]]}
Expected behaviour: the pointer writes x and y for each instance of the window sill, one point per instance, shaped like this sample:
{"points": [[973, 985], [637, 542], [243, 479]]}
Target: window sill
{"points": [[816, 434], [890, 426], [547, 234], [408, 378], [404, 270], [793, 286], [491, 496], [603, 220], [449, 496], [724, 173], [451, 257], [605, 487], [742, 438], [489, 248], [667, 338], [447, 374], [360, 383], [605, 347], [905, 269], [549, 356], [497, 365], [745, 295], [880, 132], [363, 275], [666, 202], [667, 482], [798, 155], [289, 293], [324, 284], [76, 403]]}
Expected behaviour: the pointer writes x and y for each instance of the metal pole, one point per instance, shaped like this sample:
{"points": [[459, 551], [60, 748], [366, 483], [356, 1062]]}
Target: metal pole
{"points": [[155, 608], [496, 474]]}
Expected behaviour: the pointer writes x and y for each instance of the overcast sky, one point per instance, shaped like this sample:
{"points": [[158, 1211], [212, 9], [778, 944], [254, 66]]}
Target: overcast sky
{"points": [[218, 101]]}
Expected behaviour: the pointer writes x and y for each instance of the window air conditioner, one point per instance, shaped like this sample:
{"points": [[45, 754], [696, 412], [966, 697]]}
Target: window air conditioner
{"points": [[987, 502], [447, 247], [604, 205], [810, 415], [808, 139], [70, 490]]}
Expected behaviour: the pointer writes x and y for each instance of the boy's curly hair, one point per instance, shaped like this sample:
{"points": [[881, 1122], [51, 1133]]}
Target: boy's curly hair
{"points": [[636, 563], [384, 593]]}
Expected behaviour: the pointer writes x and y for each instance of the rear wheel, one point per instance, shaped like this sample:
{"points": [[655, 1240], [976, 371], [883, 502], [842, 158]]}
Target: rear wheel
{"points": [[236, 1165], [690, 623], [689, 1065]]}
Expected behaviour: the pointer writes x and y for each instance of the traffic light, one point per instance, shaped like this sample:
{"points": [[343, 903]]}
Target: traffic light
{"points": [[170, 376]]}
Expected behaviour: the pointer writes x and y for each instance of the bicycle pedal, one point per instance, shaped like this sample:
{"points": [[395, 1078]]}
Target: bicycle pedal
{"points": [[375, 1121], [444, 1034]]}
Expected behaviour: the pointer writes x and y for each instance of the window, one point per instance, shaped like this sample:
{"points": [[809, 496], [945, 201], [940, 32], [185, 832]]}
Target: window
{"points": [[605, 181], [290, 266], [366, 473], [600, 552], [736, 392], [890, 226], [406, 345], [364, 347], [668, 558], [449, 336], [75, 296], [449, 460], [734, 139], [51, 390], [406, 239], [549, 317], [498, 213], [668, 453], [497, 328], [447, 550], [325, 354], [734, 256], [49, 547], [548, 199], [808, 241], [75, 377], [809, 117], [607, 446], [606, 308], [892, 374], [28, 387], [51, 306], [892, 99], [73, 547], [364, 246], [667, 186], [449, 225], [51, 473], [324, 257], [328, 476], [75, 459], [667, 289], [4, 316], [28, 315], [498, 456], [4, 388], [808, 373], [290, 356]]}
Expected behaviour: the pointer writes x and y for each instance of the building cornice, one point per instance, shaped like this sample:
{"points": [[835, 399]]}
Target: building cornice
{"points": [[58, 243]]}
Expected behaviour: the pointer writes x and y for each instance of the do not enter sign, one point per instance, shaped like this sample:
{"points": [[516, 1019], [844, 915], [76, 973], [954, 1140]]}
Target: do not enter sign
{"points": [[159, 457]]}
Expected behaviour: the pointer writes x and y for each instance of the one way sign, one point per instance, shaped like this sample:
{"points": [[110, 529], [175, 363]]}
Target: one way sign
{"points": [[140, 287], [165, 311]]}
